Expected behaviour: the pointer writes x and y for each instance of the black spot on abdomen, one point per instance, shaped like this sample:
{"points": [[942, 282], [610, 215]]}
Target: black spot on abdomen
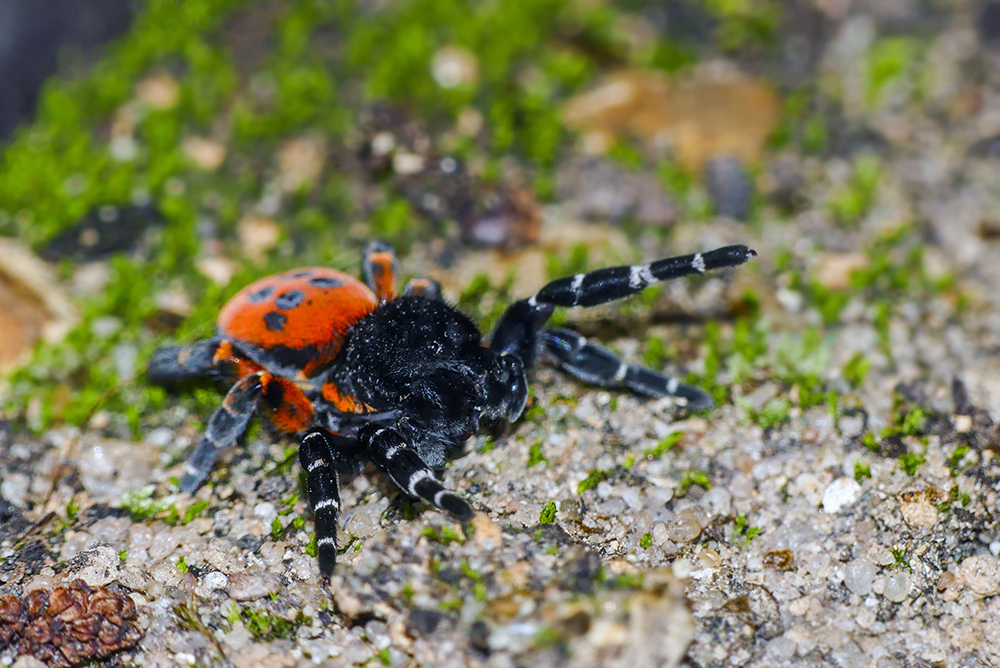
{"points": [[289, 300], [275, 321], [326, 282], [260, 295], [301, 274]]}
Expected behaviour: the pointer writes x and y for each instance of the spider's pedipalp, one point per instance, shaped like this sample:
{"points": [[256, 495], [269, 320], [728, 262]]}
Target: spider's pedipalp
{"points": [[387, 449]]}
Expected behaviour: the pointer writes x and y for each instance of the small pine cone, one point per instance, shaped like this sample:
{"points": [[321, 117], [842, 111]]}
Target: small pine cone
{"points": [[69, 624], [13, 617]]}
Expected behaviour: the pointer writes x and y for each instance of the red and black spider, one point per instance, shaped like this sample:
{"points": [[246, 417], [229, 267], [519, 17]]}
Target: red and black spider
{"points": [[361, 373]]}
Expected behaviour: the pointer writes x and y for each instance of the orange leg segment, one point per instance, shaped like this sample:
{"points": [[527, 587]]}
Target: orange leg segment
{"points": [[287, 407], [380, 270]]}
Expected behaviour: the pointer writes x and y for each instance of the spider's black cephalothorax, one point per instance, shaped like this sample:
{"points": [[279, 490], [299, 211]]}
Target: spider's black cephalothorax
{"points": [[365, 375]]}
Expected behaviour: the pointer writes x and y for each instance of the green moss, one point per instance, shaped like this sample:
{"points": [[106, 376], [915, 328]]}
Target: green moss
{"points": [[861, 470], [535, 455], [194, 511], [901, 557], [548, 514], [665, 444], [888, 60], [591, 481], [856, 370], [655, 353], [548, 636], [142, 506], [773, 413], [443, 535], [852, 202], [956, 458], [911, 462], [263, 625], [743, 533], [646, 541], [691, 478], [745, 23]]}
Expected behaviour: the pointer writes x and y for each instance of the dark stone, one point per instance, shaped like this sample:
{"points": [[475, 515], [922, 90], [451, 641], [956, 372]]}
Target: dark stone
{"points": [[103, 232], [729, 187], [479, 636], [989, 22], [248, 542], [580, 575], [422, 621], [32, 35], [273, 487]]}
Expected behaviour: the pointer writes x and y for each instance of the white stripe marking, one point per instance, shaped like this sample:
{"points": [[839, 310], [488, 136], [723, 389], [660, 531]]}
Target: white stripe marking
{"points": [[437, 497], [698, 263], [329, 540], [672, 385], [416, 478], [533, 302], [620, 373], [391, 452], [319, 463], [326, 503], [640, 276], [191, 470]]}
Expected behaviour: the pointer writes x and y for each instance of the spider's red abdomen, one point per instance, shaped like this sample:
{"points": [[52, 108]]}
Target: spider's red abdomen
{"points": [[295, 322]]}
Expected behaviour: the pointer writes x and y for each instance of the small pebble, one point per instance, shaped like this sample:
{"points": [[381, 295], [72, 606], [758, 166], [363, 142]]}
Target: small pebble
{"points": [[684, 528], [897, 586], [840, 493], [981, 574], [215, 580], [859, 575], [163, 544], [250, 586]]}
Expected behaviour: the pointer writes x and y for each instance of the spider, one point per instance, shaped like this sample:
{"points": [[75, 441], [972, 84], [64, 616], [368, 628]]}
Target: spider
{"points": [[360, 372]]}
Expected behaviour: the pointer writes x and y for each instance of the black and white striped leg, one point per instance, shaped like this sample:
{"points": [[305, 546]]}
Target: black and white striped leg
{"points": [[224, 427], [317, 455], [596, 364], [423, 287], [387, 449], [521, 323]]}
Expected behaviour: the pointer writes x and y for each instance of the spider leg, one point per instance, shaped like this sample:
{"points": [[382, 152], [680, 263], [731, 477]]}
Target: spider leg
{"points": [[283, 403], [596, 364], [318, 455], [380, 269], [174, 364], [423, 287], [224, 427], [388, 450], [520, 326]]}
